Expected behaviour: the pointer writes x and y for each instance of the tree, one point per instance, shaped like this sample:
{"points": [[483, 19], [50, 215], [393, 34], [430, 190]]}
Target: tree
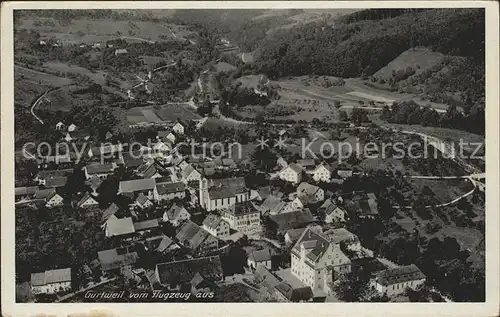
{"points": [[343, 115], [352, 287], [264, 159]]}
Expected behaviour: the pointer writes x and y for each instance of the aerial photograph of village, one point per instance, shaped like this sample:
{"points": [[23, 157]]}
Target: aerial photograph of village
{"points": [[249, 155]]}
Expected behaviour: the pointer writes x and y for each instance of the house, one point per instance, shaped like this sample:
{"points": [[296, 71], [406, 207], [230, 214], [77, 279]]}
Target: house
{"points": [[94, 183], [162, 148], [51, 281], [100, 170], [72, 127], [308, 165], [79, 135], [171, 136], [217, 194], [107, 151], [119, 227], [116, 259], [316, 262], [196, 238], [148, 170], [292, 173], [333, 213], [48, 176], [143, 202], [131, 161], [292, 220], [362, 205], [216, 226], [199, 284], [146, 225], [345, 238], [301, 202], [243, 217], [169, 191], [344, 173], [110, 211], [66, 161], [396, 280], [190, 174], [180, 127], [281, 162], [53, 200], [306, 189], [120, 51], [292, 235], [322, 173], [60, 126], [176, 215], [87, 201], [285, 292], [178, 273], [136, 186], [161, 243], [262, 257]]}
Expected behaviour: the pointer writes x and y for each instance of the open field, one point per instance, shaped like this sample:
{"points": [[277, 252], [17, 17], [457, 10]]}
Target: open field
{"points": [[98, 76], [155, 114], [100, 30], [30, 84], [419, 59], [444, 190]]}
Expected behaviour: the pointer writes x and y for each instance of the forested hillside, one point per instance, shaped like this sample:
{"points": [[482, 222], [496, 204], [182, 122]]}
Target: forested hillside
{"points": [[363, 47]]}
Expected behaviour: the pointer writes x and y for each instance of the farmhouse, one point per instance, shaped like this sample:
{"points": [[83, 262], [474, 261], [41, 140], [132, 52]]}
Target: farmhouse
{"points": [[180, 127], [306, 189], [333, 213], [53, 199], [143, 201], [183, 272], [190, 174], [51, 281], [292, 219], [100, 170], [116, 259], [145, 186], [146, 225], [169, 191]]}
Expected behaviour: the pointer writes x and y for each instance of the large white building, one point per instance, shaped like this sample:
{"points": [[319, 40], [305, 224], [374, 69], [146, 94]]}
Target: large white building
{"points": [[317, 262], [218, 194], [242, 217], [395, 281]]}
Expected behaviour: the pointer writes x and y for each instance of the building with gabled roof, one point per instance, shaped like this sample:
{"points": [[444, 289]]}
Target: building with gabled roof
{"points": [[322, 173], [87, 201], [100, 170], [396, 280], [218, 194], [177, 273], [306, 189], [119, 227], [116, 259], [292, 219], [190, 174], [142, 201], [243, 217], [176, 215], [291, 173], [136, 186], [216, 226], [317, 262], [169, 191], [146, 225], [262, 257], [53, 199], [51, 281], [196, 238]]}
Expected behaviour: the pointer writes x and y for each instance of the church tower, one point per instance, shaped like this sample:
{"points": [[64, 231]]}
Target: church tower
{"points": [[203, 192]]}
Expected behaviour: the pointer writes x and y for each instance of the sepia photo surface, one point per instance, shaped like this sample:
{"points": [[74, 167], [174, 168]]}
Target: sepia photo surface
{"points": [[250, 154]]}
